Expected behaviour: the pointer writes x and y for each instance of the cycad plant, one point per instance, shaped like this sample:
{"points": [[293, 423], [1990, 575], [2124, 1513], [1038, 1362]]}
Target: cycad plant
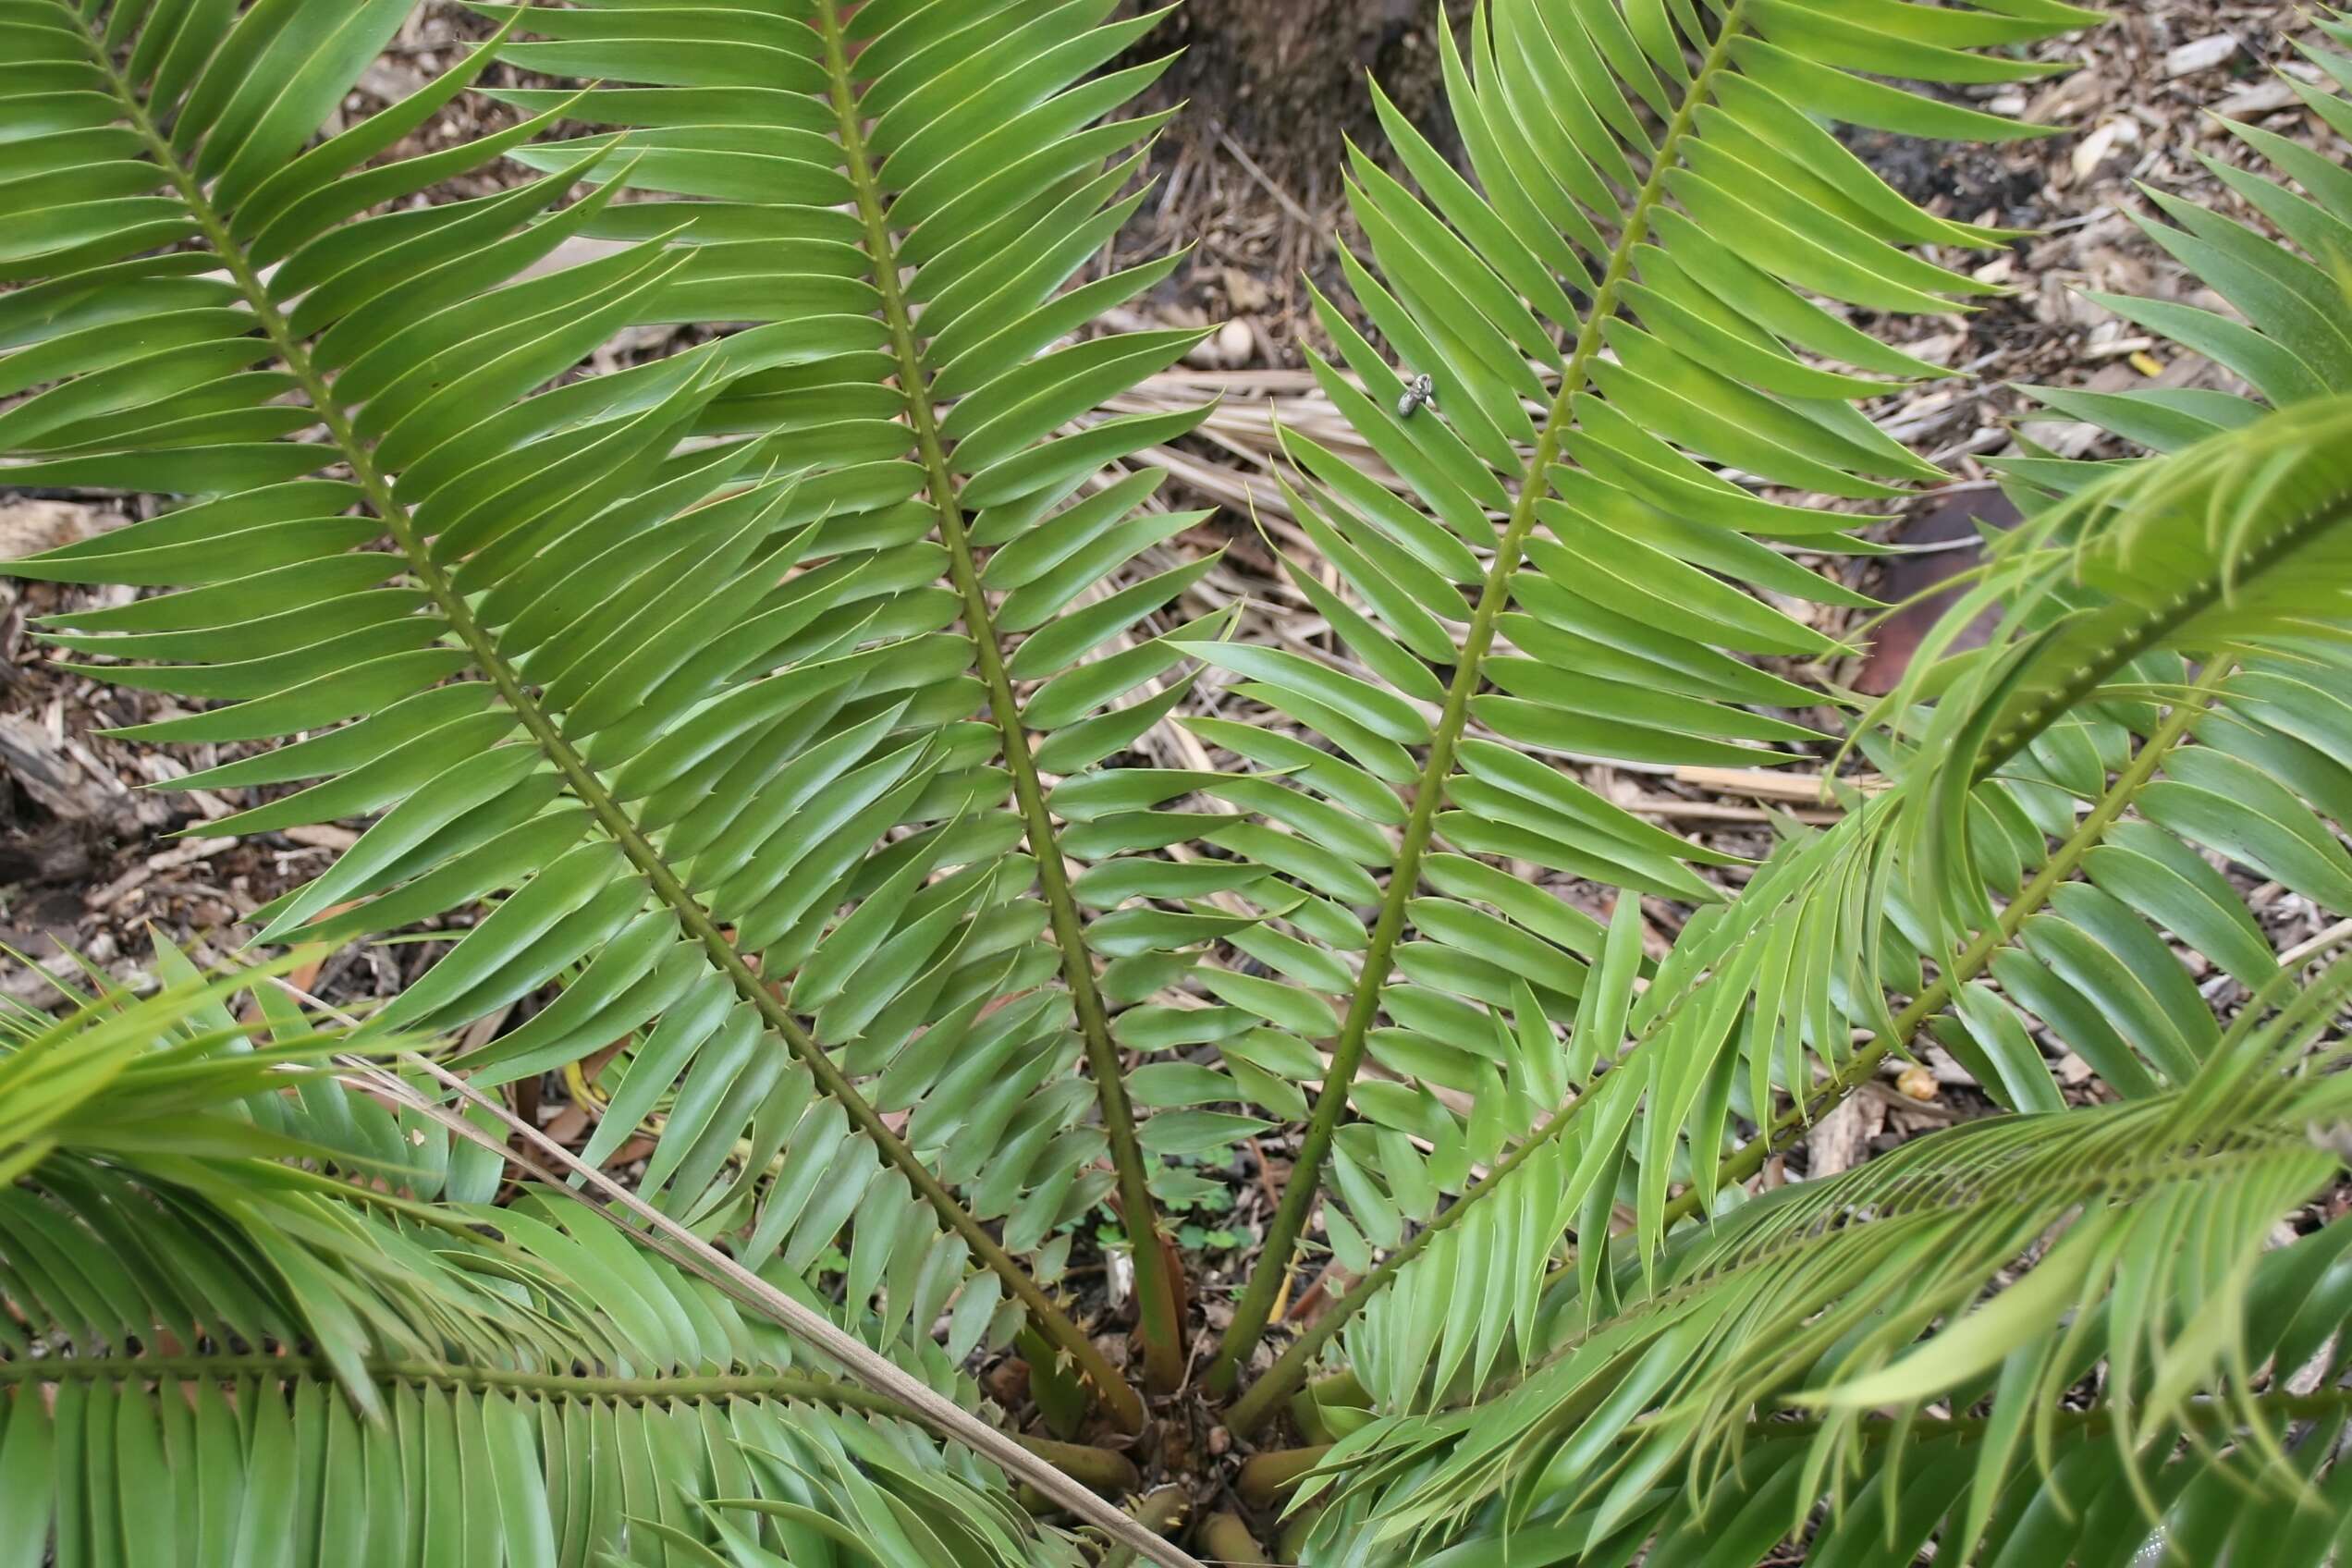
{"points": [[776, 711]]}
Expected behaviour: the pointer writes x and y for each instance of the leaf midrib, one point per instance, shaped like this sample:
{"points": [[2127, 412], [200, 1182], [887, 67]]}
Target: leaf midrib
{"points": [[1155, 1293], [392, 1372], [2173, 1165], [609, 814], [2193, 599]]}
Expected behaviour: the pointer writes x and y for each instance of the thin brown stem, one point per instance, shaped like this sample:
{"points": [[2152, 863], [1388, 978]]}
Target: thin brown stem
{"points": [[660, 1233]]}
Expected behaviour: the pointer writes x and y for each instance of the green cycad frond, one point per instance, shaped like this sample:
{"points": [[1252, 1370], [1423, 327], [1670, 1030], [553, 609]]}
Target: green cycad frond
{"points": [[2176, 627], [2232, 553], [214, 1357], [553, 1395], [2237, 547], [2191, 606], [2209, 584], [1818, 1296], [1719, 1030], [666, 658], [1607, 168], [2230, 1506]]}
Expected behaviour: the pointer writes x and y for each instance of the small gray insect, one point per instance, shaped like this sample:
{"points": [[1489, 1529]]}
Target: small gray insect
{"points": [[1419, 391]]}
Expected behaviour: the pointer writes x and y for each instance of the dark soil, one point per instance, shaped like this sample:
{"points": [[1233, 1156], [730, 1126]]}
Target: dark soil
{"points": [[1285, 79], [1973, 184]]}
